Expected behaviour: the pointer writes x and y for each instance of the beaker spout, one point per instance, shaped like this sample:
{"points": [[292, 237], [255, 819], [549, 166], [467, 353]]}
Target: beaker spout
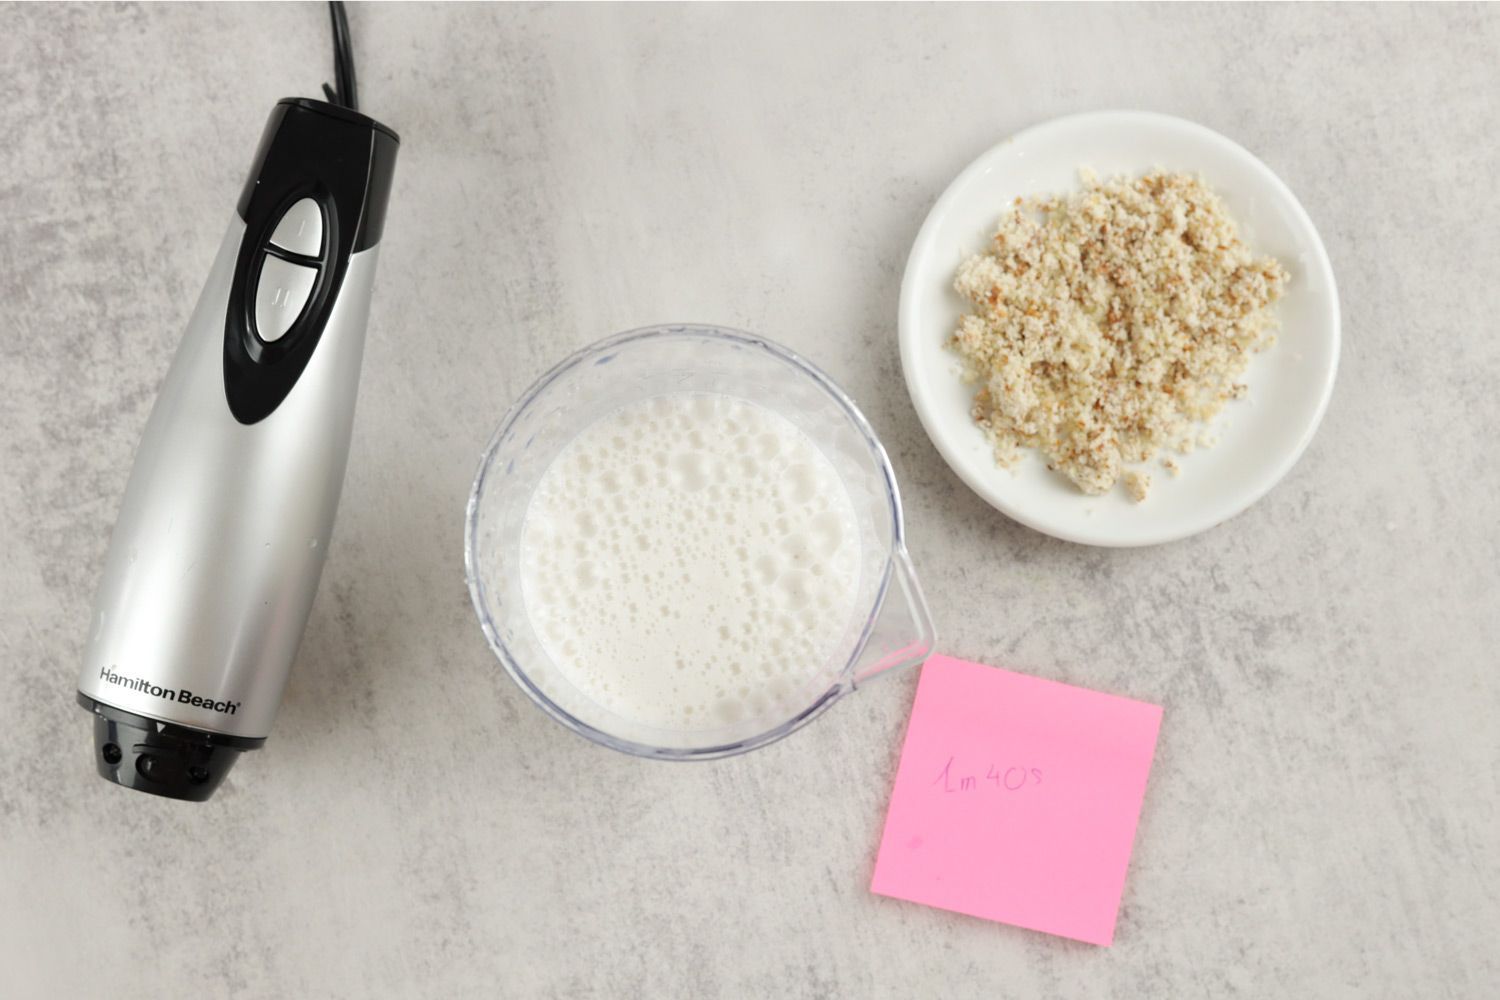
{"points": [[903, 634]]}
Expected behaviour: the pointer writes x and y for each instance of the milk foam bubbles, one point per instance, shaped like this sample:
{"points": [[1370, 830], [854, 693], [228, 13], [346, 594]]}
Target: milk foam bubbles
{"points": [[691, 560]]}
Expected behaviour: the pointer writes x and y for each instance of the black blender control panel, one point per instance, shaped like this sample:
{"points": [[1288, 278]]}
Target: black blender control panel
{"points": [[315, 197]]}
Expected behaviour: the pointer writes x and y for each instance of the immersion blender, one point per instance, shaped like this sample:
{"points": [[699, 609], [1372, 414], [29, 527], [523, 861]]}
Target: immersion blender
{"points": [[220, 540]]}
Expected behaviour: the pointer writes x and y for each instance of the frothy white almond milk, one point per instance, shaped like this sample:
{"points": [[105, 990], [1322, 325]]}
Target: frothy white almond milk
{"points": [[690, 560]]}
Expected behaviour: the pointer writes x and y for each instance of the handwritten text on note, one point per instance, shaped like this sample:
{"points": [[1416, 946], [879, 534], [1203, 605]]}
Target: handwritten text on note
{"points": [[1012, 779]]}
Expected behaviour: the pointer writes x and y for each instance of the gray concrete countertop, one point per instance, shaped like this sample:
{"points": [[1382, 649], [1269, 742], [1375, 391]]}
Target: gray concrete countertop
{"points": [[1322, 818]]}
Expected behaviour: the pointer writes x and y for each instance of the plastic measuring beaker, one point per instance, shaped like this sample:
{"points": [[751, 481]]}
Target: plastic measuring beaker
{"points": [[889, 625]]}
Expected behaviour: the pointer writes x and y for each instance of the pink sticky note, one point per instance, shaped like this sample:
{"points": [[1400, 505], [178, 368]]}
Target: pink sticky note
{"points": [[1016, 799]]}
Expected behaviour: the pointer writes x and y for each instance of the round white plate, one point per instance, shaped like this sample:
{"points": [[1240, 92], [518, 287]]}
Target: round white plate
{"points": [[1259, 438]]}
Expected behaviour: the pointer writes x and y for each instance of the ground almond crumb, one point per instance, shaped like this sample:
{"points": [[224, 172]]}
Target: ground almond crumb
{"points": [[1170, 464], [1112, 323], [1137, 484]]}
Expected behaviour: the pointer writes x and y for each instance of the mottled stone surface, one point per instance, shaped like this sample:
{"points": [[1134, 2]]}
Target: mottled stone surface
{"points": [[1322, 819]]}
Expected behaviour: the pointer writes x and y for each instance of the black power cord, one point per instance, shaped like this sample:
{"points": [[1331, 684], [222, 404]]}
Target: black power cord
{"points": [[343, 91]]}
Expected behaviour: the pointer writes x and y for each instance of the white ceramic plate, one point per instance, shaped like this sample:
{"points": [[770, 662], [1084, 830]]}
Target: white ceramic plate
{"points": [[1259, 439]]}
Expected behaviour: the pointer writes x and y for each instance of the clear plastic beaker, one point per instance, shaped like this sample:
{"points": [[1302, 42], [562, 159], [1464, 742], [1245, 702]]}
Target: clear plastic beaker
{"points": [[889, 626]]}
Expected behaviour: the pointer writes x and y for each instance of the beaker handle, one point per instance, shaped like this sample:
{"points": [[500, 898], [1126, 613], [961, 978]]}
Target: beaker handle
{"points": [[903, 635]]}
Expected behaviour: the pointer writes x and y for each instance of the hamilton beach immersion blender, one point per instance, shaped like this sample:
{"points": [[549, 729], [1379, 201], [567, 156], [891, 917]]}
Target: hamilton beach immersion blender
{"points": [[221, 536]]}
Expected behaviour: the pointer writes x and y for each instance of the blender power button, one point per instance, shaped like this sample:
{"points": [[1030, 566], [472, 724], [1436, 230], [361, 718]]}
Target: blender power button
{"points": [[300, 230], [280, 295]]}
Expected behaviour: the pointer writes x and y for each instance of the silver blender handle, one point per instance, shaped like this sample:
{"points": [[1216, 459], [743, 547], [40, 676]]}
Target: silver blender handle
{"points": [[221, 536]]}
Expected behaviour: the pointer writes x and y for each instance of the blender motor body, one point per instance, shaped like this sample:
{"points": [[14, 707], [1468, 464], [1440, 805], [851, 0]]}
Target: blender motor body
{"points": [[222, 533]]}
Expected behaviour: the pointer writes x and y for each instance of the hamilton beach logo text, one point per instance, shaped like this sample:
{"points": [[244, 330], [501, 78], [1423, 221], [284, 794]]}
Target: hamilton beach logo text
{"points": [[180, 695]]}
